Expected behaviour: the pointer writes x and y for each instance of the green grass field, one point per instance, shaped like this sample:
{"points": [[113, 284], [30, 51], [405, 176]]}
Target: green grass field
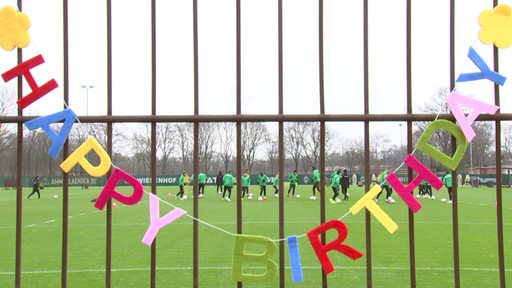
{"points": [[42, 232]]}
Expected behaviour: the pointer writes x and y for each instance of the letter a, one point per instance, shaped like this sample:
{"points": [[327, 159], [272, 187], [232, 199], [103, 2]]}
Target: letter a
{"points": [[58, 139], [465, 122]]}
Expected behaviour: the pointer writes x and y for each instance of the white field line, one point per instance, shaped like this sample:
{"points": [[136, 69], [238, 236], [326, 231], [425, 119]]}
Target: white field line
{"points": [[387, 268]]}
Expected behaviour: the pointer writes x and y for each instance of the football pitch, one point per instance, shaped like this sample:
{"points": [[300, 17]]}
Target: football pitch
{"points": [[433, 225]]}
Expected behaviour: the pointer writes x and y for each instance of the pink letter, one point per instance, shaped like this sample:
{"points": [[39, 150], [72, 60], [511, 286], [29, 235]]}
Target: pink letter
{"points": [[37, 91], [109, 190], [465, 122], [405, 192], [156, 222], [336, 244]]}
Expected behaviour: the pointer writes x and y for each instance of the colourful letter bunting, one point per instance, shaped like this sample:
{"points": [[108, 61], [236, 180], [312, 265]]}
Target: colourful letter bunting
{"points": [[239, 257], [156, 222], [78, 156], [367, 202], [13, 28], [405, 192], [110, 192], [37, 91], [321, 250], [58, 139], [462, 143], [485, 72], [496, 26], [465, 122], [295, 264]]}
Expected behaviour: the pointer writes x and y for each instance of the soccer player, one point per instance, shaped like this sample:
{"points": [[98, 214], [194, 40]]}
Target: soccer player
{"points": [[293, 183], [201, 179], [246, 181], [345, 182], [181, 184], [35, 188], [316, 182], [385, 186], [335, 185], [275, 184], [262, 181], [218, 180], [227, 181], [447, 180]]}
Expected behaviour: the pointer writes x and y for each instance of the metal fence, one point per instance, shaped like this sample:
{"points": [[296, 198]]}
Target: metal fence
{"points": [[280, 118]]}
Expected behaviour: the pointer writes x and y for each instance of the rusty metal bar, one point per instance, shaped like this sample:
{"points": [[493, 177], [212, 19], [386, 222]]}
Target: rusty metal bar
{"points": [[499, 187], [108, 245], [19, 174], [154, 127], [65, 154], [265, 118], [281, 141], [412, 243], [195, 225], [366, 95]]}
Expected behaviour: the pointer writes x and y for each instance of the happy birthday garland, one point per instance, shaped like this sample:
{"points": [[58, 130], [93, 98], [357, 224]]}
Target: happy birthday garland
{"points": [[496, 29]]}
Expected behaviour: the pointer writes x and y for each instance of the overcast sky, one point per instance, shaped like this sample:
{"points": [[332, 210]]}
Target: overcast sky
{"points": [[343, 44]]}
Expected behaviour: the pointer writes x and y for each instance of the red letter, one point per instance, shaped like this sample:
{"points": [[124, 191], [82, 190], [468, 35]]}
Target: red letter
{"points": [[321, 251], [37, 91], [109, 190]]}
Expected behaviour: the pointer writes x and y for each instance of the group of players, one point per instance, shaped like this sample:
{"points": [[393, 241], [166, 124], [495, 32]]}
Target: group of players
{"points": [[339, 181]]}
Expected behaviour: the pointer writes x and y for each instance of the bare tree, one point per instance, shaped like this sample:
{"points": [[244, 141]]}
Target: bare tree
{"points": [[165, 144], [226, 142], [353, 156], [272, 152], [254, 134], [141, 146], [206, 144], [185, 143], [293, 135]]}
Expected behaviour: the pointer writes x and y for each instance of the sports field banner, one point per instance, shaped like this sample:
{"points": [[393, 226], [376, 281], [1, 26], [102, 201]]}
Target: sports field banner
{"points": [[496, 28]]}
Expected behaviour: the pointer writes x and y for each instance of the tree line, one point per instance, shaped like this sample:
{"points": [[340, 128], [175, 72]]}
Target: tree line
{"points": [[217, 146]]}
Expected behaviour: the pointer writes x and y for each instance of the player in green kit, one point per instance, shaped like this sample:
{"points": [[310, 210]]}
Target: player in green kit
{"points": [[293, 183], [246, 181], [227, 181]]}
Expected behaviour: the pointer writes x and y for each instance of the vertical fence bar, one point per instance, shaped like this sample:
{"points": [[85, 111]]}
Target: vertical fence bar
{"points": [[108, 250], [322, 123], [195, 228], [412, 243], [366, 64], [238, 55], [154, 139], [455, 208], [281, 151], [499, 186], [19, 174], [65, 187]]}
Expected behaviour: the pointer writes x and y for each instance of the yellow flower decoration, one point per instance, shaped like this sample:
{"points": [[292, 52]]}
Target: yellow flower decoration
{"points": [[13, 28], [496, 26]]}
